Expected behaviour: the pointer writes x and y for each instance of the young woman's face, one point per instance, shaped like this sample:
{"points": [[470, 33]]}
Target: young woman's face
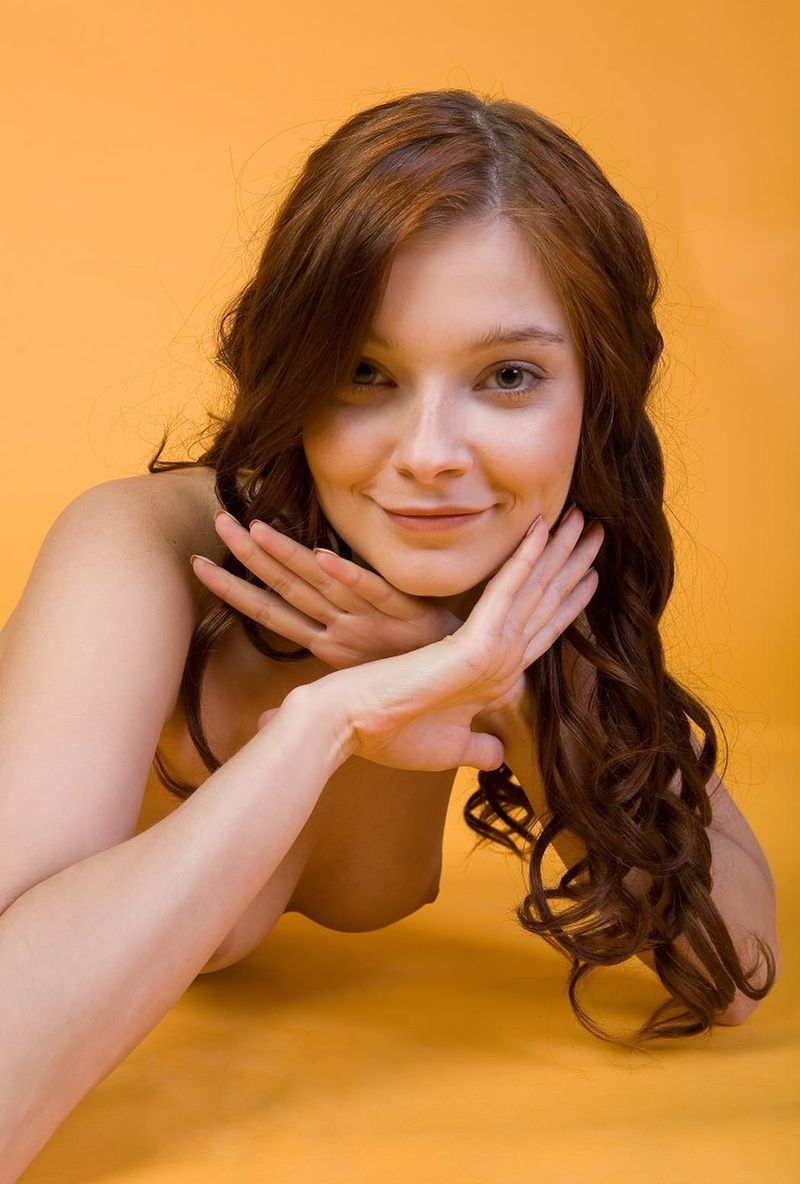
{"points": [[434, 421]]}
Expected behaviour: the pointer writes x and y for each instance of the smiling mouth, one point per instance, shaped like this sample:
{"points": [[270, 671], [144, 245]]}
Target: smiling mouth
{"points": [[430, 522]]}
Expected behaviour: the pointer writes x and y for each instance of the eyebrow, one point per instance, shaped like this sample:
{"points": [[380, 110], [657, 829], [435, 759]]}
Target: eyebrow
{"points": [[498, 336]]}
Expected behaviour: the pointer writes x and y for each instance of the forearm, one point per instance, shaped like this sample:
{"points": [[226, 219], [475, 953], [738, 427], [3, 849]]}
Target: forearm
{"points": [[742, 887], [93, 957], [744, 895]]}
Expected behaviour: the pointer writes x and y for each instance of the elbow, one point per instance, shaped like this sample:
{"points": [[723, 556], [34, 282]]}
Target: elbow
{"points": [[740, 1010], [743, 1007]]}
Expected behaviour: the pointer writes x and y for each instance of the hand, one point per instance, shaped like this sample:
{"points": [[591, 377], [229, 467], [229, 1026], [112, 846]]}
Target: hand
{"points": [[344, 614], [414, 710], [516, 712]]}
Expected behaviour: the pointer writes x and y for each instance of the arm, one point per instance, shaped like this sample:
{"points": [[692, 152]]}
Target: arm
{"points": [[739, 882], [743, 889], [93, 957], [93, 660], [101, 929]]}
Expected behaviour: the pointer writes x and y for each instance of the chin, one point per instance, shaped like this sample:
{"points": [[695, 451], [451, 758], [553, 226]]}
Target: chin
{"points": [[433, 584], [426, 588], [421, 575]]}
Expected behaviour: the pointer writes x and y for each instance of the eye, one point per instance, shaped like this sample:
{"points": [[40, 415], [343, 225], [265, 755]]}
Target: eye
{"points": [[361, 385], [519, 369], [506, 368]]}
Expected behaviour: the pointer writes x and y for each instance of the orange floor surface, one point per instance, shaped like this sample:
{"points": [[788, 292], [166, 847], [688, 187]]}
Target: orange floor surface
{"points": [[443, 1048]]}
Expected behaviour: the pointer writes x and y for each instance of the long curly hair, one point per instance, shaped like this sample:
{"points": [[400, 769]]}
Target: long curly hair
{"points": [[292, 336]]}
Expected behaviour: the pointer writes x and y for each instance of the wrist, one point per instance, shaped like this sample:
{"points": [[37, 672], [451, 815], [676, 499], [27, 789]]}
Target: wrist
{"points": [[315, 707], [513, 720]]}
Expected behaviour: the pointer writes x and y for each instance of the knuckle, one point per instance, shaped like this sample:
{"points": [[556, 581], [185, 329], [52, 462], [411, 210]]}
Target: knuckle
{"points": [[560, 586], [587, 583], [263, 615], [382, 596], [282, 584], [323, 581], [551, 632], [517, 628]]}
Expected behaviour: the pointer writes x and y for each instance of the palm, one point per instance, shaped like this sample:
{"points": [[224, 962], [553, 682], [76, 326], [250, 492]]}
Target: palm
{"points": [[415, 710], [434, 742], [441, 690]]}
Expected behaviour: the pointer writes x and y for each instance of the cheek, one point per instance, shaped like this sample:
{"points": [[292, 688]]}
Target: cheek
{"points": [[541, 464], [554, 457], [337, 454], [550, 448]]}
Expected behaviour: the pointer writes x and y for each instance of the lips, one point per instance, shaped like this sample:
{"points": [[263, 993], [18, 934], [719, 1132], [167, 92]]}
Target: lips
{"points": [[433, 512], [433, 522]]}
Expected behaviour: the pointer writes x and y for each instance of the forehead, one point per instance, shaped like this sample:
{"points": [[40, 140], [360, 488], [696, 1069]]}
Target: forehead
{"points": [[468, 287]]}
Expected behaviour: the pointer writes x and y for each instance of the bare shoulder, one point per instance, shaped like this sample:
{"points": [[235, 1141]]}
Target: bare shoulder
{"points": [[180, 503], [91, 663]]}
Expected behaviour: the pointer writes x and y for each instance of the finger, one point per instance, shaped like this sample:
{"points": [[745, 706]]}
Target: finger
{"points": [[571, 607], [558, 550], [303, 562], [272, 570], [498, 598], [261, 605], [483, 751], [553, 565], [371, 587], [564, 580]]}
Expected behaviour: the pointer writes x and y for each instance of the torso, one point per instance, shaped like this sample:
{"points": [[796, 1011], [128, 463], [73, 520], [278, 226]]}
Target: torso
{"points": [[371, 850]]}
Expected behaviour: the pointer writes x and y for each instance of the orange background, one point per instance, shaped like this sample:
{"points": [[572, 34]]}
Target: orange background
{"points": [[144, 145]]}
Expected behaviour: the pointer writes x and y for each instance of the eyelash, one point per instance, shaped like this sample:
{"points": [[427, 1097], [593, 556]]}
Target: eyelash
{"points": [[518, 394]]}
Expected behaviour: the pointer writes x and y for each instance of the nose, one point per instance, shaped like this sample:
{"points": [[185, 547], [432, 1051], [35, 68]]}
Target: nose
{"points": [[431, 442]]}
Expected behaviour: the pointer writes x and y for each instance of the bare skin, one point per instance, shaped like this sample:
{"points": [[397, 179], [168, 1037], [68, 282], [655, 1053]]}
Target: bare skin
{"points": [[372, 849], [436, 428], [371, 852]]}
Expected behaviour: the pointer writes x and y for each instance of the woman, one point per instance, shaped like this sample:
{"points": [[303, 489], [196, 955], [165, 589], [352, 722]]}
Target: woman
{"points": [[441, 370]]}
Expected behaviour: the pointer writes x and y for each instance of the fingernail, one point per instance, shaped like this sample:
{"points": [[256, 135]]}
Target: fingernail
{"points": [[204, 559], [533, 526], [223, 514], [325, 549]]}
